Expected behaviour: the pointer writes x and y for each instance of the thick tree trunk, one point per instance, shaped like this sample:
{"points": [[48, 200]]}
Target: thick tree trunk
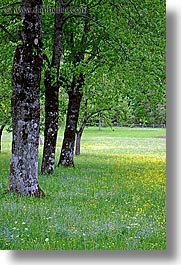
{"points": [[51, 97], [26, 75], [51, 126], [1, 132], [67, 152]]}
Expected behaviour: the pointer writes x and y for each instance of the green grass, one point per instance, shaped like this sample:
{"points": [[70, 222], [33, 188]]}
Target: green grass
{"points": [[113, 200]]}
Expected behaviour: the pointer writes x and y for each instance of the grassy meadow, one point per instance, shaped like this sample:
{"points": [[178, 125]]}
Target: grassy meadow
{"points": [[114, 198]]}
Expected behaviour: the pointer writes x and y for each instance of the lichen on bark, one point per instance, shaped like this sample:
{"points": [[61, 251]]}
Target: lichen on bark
{"points": [[26, 76]]}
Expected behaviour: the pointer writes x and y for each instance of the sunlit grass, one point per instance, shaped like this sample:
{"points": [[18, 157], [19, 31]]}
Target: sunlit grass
{"points": [[113, 199]]}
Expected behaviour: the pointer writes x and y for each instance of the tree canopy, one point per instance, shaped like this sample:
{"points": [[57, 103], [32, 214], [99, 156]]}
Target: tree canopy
{"points": [[127, 36]]}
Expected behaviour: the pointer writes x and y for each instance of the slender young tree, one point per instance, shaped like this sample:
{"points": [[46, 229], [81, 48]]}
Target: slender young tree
{"points": [[26, 76], [86, 118]]}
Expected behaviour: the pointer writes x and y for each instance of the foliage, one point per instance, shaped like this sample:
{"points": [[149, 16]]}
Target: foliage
{"points": [[104, 91], [113, 200], [8, 31], [132, 56], [145, 80], [134, 52]]}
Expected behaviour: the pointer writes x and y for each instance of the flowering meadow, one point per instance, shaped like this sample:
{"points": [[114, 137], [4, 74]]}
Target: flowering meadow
{"points": [[114, 198]]}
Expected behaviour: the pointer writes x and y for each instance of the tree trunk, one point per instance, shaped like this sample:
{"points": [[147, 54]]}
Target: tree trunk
{"points": [[100, 122], [82, 127], [26, 76], [67, 152], [51, 97], [78, 138], [51, 126], [1, 132], [75, 96]]}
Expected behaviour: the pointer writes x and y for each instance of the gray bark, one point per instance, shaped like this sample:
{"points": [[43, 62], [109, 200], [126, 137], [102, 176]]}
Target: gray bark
{"points": [[26, 75]]}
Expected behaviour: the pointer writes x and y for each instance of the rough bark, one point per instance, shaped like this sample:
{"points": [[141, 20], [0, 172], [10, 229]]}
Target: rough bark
{"points": [[1, 132], [67, 151], [26, 75], [51, 97], [51, 126]]}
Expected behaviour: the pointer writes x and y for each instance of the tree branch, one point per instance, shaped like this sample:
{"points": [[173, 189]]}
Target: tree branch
{"points": [[93, 70], [117, 6], [2, 27], [102, 26], [98, 3], [63, 80], [120, 46], [11, 15], [135, 7], [83, 16], [85, 106], [57, 42], [67, 3], [45, 57], [9, 5], [97, 111]]}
